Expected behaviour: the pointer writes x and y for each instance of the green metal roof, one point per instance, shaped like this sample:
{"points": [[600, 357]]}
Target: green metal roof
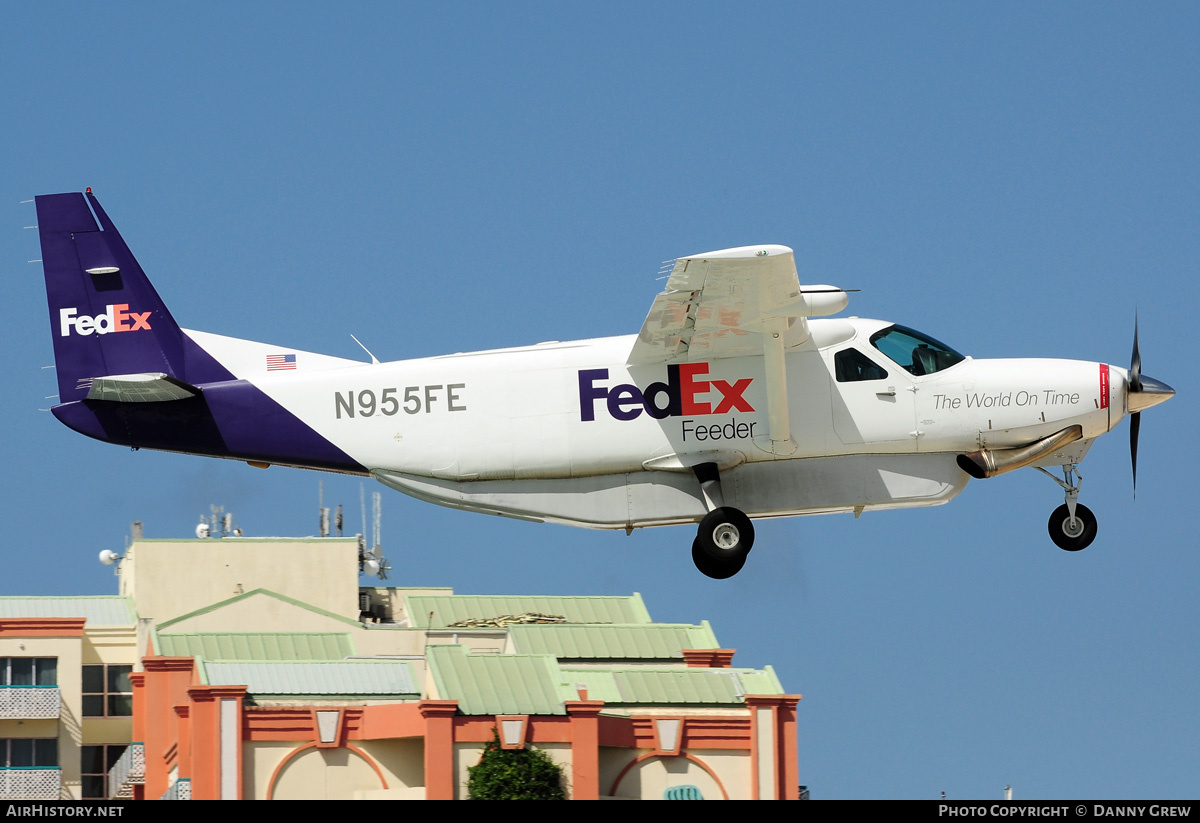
{"points": [[498, 683], [254, 593], [614, 642], [439, 611], [763, 681], [536, 684], [275, 647], [381, 678], [245, 539], [677, 686], [101, 610]]}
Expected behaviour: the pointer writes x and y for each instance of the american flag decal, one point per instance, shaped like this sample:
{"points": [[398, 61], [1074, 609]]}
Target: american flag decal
{"points": [[281, 362]]}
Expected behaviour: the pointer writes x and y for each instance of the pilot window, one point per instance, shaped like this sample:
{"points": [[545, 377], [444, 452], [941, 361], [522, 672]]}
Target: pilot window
{"points": [[915, 352], [851, 366]]}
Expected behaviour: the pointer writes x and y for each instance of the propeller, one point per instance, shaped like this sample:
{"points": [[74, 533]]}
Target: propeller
{"points": [[1142, 393], [1135, 385]]}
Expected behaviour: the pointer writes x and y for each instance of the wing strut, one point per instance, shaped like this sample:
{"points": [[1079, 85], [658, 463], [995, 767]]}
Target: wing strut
{"points": [[777, 397]]}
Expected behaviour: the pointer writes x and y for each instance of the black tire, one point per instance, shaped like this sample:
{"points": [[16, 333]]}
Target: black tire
{"points": [[1072, 537], [716, 569], [725, 534]]}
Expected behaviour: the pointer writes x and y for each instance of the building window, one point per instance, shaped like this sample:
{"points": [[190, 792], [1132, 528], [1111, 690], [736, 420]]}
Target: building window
{"points": [[28, 671], [29, 753], [107, 691], [94, 765]]}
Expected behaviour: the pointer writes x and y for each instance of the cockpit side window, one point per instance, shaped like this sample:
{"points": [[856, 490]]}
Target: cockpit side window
{"points": [[913, 351], [851, 366]]}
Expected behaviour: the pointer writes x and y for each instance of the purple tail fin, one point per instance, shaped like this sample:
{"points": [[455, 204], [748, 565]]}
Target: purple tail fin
{"points": [[105, 317]]}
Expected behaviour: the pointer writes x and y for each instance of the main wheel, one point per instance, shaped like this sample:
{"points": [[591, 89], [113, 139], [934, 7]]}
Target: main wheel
{"points": [[1072, 535], [716, 569], [725, 534]]}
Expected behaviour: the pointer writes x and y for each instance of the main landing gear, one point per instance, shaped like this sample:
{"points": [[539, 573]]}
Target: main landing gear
{"points": [[726, 534], [1072, 526]]}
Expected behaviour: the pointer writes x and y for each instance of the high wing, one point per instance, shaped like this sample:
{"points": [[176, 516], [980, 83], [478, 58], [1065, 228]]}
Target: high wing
{"points": [[740, 302], [719, 304]]}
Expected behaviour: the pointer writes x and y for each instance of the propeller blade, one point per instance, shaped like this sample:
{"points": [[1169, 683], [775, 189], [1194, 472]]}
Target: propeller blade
{"points": [[1135, 362], [1135, 425]]}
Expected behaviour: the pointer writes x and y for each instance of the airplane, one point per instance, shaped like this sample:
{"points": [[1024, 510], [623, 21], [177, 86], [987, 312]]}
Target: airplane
{"points": [[740, 398]]}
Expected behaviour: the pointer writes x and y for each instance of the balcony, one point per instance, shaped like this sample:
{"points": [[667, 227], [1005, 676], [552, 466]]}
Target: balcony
{"points": [[30, 784], [128, 772], [180, 790], [30, 703]]}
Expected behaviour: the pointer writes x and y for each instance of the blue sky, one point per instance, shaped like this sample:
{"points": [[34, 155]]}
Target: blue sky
{"points": [[445, 177]]}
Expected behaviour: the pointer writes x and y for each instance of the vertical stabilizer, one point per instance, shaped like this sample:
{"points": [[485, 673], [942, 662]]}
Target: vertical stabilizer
{"points": [[105, 317]]}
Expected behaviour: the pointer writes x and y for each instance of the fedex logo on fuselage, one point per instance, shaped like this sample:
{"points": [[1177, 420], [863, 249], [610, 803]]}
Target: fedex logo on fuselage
{"points": [[679, 396], [114, 319]]}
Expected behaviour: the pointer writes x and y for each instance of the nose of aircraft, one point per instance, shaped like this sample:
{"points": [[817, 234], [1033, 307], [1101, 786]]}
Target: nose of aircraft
{"points": [[1148, 392]]}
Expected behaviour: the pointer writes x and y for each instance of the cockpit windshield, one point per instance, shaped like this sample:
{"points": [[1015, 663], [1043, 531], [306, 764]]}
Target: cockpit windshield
{"points": [[915, 352]]}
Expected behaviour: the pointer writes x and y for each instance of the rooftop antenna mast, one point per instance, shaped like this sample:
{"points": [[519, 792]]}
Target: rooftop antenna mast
{"points": [[362, 502], [218, 523], [377, 521], [323, 524], [373, 562]]}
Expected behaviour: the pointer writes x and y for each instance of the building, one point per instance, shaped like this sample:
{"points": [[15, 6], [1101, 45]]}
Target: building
{"points": [[66, 700], [244, 668]]}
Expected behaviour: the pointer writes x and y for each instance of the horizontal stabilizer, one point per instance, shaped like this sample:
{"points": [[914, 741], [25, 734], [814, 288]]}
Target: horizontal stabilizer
{"points": [[151, 387]]}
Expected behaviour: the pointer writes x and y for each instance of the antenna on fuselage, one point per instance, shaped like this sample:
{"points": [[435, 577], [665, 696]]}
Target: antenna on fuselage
{"points": [[374, 359]]}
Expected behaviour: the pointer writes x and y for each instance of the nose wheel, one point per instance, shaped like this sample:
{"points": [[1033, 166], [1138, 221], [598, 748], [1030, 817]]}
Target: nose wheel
{"points": [[1072, 533], [1072, 525]]}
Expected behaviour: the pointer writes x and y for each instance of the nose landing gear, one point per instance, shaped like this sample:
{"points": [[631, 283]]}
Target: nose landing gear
{"points": [[1072, 525], [1072, 533]]}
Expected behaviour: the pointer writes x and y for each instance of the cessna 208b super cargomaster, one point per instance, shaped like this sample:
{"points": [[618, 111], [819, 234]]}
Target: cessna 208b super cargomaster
{"points": [[731, 403]]}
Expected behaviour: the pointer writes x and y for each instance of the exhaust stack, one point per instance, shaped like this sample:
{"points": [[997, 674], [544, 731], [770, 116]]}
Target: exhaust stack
{"points": [[991, 462]]}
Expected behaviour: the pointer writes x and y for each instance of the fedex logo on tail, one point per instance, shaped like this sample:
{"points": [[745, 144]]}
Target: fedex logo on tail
{"points": [[680, 395], [114, 319]]}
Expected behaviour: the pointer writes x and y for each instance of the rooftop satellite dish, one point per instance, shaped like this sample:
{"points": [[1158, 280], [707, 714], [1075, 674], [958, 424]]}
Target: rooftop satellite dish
{"points": [[202, 531], [371, 566], [108, 557]]}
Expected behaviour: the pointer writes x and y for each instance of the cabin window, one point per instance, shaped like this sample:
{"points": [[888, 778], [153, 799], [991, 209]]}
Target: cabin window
{"points": [[851, 366], [913, 351]]}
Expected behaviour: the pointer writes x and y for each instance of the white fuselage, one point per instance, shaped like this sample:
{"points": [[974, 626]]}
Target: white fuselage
{"points": [[567, 432]]}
